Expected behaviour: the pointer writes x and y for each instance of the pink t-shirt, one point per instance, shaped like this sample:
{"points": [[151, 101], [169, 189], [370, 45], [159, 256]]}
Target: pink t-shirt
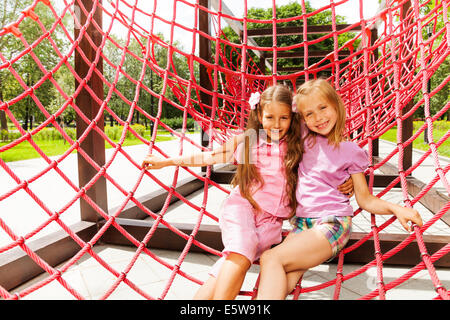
{"points": [[269, 160], [322, 169]]}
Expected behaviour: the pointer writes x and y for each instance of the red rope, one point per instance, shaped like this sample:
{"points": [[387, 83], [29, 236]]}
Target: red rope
{"points": [[377, 81]]}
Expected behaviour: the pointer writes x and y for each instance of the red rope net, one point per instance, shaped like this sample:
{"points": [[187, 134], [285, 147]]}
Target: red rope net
{"points": [[382, 71]]}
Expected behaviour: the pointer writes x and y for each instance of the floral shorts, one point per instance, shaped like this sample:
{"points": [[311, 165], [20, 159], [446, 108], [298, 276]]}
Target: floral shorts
{"points": [[336, 229]]}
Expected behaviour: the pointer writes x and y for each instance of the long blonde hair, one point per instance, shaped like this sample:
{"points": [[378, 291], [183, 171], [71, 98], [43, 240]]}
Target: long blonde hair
{"points": [[323, 87], [247, 175]]}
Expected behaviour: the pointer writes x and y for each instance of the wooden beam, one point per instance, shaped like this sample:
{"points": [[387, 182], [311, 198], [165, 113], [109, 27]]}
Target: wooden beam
{"points": [[210, 235], [300, 68], [407, 124], [298, 30], [163, 238], [93, 144], [410, 255], [154, 201], [433, 200], [301, 53], [205, 54], [16, 267], [290, 69], [373, 39]]}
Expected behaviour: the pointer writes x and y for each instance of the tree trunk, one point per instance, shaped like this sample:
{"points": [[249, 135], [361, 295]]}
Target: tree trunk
{"points": [[3, 121]]}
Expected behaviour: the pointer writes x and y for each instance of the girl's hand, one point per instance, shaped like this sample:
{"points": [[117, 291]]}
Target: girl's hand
{"points": [[153, 162], [347, 188], [405, 215]]}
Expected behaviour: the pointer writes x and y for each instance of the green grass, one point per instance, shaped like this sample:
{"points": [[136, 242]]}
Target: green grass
{"points": [[25, 150], [50, 147], [440, 128]]}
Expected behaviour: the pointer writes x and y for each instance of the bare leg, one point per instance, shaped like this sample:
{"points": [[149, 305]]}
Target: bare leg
{"points": [[206, 291], [292, 280], [231, 276], [297, 253]]}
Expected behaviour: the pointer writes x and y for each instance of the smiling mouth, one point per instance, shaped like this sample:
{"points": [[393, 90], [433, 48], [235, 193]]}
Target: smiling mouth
{"points": [[276, 133], [322, 125]]}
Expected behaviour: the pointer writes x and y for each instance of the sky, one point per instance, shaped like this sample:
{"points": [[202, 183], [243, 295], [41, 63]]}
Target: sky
{"points": [[185, 14]]}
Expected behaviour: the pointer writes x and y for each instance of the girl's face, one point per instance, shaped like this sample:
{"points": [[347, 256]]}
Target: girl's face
{"points": [[276, 120], [320, 116]]}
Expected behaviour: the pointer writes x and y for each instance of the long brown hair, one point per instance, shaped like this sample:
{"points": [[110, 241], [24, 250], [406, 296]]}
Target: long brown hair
{"points": [[323, 87], [247, 175]]}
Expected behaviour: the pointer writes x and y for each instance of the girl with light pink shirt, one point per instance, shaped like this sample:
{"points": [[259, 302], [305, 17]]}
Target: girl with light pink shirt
{"points": [[267, 156], [322, 221]]}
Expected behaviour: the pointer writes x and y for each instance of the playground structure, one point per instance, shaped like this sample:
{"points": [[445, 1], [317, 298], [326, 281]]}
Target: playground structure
{"points": [[387, 63]]}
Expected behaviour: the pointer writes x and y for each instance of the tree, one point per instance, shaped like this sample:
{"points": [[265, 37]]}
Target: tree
{"points": [[29, 69], [132, 68], [9, 10], [441, 98], [293, 9]]}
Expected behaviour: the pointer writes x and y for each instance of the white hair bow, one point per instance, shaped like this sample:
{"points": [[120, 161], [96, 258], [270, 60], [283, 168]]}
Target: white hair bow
{"points": [[254, 100]]}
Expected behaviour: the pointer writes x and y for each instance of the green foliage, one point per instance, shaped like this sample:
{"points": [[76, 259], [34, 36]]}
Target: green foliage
{"points": [[52, 134], [26, 110], [177, 123], [290, 10], [429, 28], [437, 125], [131, 71], [115, 132], [440, 99], [130, 56], [6, 135], [440, 128], [24, 150], [31, 68]]}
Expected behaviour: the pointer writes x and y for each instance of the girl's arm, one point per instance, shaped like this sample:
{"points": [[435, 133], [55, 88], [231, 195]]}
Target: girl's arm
{"points": [[347, 188], [230, 146], [222, 154], [375, 205]]}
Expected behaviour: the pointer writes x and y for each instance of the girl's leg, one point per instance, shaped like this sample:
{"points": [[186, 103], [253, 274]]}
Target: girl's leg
{"points": [[292, 280], [231, 276], [206, 291], [297, 253]]}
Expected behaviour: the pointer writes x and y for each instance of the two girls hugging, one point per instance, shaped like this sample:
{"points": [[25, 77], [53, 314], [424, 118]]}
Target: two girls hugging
{"points": [[293, 162]]}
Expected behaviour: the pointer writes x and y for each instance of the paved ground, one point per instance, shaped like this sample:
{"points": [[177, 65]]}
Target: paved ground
{"points": [[91, 280]]}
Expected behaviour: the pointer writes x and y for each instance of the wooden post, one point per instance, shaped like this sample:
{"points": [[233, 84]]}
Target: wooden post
{"points": [[262, 62], [93, 144], [407, 125], [373, 39], [205, 54]]}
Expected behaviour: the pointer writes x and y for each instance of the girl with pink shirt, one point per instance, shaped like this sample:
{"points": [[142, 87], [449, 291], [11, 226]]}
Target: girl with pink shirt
{"points": [[267, 156], [322, 221]]}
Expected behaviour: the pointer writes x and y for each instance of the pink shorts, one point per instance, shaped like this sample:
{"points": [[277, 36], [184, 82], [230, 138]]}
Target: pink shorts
{"points": [[244, 231]]}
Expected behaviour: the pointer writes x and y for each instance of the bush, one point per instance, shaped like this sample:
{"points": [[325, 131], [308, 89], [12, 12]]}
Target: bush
{"points": [[4, 135], [71, 132], [438, 125], [48, 134], [177, 123], [138, 128], [115, 132], [9, 135]]}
